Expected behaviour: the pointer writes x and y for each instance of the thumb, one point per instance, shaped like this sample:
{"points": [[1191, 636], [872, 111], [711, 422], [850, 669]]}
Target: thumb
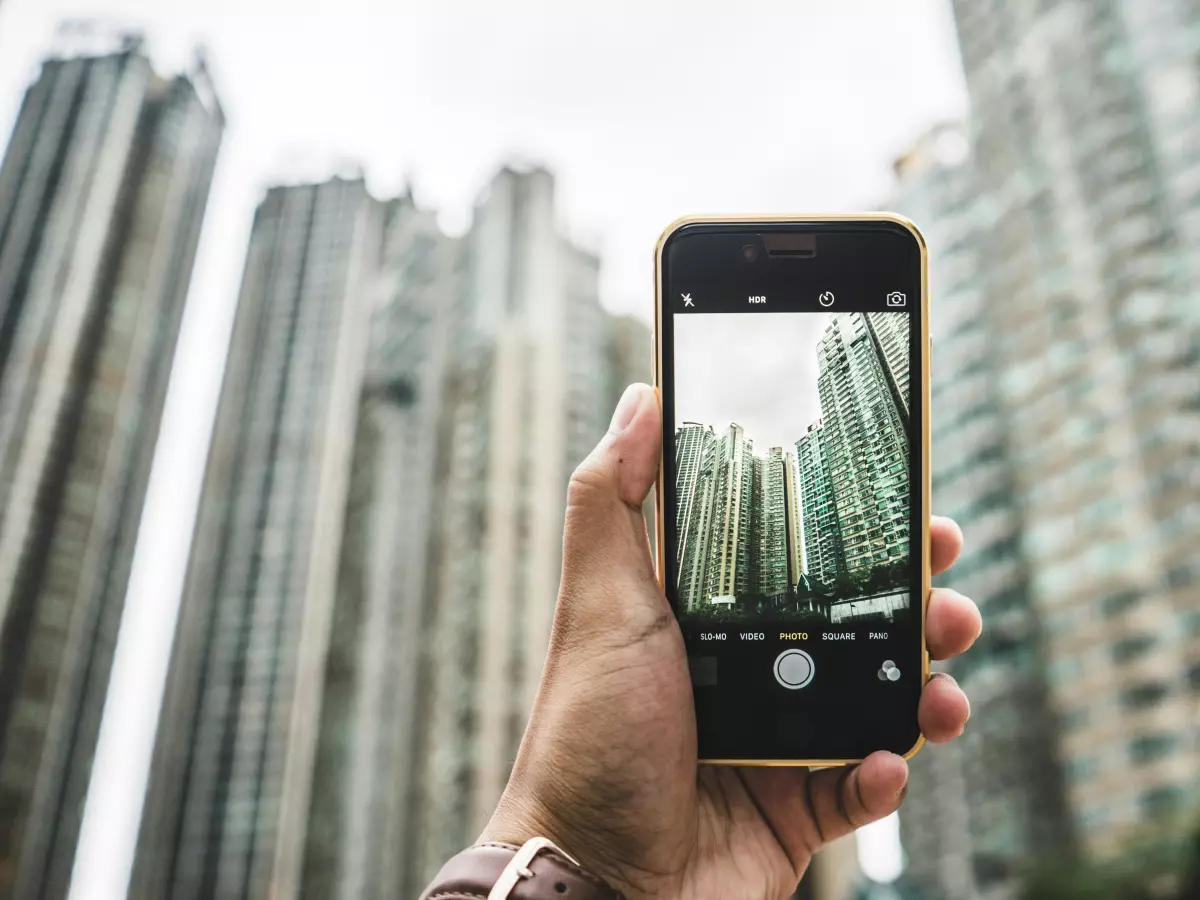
{"points": [[605, 538]]}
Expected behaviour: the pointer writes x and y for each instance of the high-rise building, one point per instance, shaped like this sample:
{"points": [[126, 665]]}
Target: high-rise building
{"points": [[795, 524], [692, 443], [363, 793], [759, 527], [230, 784], [824, 559], [777, 527], [1084, 126], [102, 194], [630, 355], [981, 808], [862, 383], [696, 475], [530, 395], [739, 531], [890, 337], [732, 545], [490, 372]]}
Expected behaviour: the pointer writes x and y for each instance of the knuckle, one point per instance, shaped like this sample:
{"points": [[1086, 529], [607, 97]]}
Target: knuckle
{"points": [[587, 486]]}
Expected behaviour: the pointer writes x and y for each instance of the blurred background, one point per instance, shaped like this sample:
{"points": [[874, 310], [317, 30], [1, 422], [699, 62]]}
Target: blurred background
{"points": [[306, 317]]}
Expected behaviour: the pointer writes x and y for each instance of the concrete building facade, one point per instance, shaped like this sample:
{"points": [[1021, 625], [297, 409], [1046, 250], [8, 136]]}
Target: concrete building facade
{"points": [[103, 191], [1082, 136], [230, 785]]}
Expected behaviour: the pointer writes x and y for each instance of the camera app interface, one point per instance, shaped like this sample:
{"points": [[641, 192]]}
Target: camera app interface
{"points": [[792, 469], [796, 568]]}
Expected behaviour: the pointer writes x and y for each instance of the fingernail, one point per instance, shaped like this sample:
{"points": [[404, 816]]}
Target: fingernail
{"points": [[626, 409], [954, 681]]}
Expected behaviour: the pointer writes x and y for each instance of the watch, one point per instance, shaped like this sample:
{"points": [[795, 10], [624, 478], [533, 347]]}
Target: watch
{"points": [[537, 870]]}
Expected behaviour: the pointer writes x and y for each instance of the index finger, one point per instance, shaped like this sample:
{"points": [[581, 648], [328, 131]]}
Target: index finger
{"points": [[945, 543]]}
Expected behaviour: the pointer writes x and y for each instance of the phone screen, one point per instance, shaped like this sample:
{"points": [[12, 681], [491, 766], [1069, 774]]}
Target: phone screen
{"points": [[791, 364]]}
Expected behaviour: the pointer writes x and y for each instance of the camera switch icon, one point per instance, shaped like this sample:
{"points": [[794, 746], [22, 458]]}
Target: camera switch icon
{"points": [[895, 298]]}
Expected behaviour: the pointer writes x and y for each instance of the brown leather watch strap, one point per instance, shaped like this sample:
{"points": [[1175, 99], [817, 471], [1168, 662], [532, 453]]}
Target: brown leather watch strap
{"points": [[501, 871]]}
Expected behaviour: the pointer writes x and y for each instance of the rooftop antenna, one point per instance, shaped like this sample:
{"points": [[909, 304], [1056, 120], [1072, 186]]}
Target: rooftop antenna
{"points": [[89, 37], [202, 80]]}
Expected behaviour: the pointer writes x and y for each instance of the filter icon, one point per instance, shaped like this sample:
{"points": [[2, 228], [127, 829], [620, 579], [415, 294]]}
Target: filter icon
{"points": [[888, 671]]}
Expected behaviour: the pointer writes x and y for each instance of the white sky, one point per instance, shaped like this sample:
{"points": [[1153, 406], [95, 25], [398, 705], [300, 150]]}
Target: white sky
{"points": [[646, 110], [770, 390]]}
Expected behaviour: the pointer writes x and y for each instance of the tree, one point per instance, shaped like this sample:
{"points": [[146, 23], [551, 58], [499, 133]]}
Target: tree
{"points": [[880, 580], [1080, 881], [1191, 867], [845, 587], [1164, 865]]}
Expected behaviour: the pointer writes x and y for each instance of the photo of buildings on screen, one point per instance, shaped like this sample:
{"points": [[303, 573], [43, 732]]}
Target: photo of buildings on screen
{"points": [[817, 528]]}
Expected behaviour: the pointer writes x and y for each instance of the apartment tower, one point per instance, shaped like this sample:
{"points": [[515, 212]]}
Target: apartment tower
{"points": [[777, 528], [530, 394], [824, 558], [983, 807], [363, 791], [230, 784], [1085, 119], [859, 449], [102, 195]]}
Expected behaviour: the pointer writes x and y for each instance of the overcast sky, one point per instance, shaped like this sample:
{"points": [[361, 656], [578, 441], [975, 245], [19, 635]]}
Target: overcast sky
{"points": [[770, 390], [646, 110]]}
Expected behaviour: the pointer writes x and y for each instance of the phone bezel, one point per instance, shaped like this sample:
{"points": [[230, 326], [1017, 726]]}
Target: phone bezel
{"points": [[841, 219]]}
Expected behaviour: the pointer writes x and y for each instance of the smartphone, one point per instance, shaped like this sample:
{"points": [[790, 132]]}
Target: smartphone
{"points": [[792, 357]]}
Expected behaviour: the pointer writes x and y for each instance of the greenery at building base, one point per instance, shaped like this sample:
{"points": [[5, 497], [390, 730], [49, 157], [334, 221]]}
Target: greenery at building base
{"points": [[811, 599], [724, 612], [869, 582], [1160, 867], [900, 889]]}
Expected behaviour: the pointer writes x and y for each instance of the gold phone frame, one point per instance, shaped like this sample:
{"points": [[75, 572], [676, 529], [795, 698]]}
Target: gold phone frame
{"points": [[659, 498]]}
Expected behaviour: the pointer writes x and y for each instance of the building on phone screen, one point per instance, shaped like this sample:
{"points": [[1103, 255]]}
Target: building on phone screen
{"points": [[865, 437], [822, 530]]}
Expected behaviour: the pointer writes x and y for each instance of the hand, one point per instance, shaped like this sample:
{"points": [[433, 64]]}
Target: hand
{"points": [[607, 769]]}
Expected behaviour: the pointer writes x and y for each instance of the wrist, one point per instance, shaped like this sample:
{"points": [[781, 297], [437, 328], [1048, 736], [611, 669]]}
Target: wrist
{"points": [[536, 870], [516, 822]]}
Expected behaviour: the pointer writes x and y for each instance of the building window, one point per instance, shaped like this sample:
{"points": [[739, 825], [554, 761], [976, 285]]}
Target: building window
{"points": [[1151, 747], [1095, 816], [1058, 579], [1163, 800], [1132, 647], [1081, 768], [1144, 696], [1074, 719], [1180, 576], [1116, 604], [1065, 669]]}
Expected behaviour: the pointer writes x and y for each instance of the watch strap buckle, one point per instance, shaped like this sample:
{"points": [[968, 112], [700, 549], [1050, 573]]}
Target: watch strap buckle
{"points": [[518, 866]]}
